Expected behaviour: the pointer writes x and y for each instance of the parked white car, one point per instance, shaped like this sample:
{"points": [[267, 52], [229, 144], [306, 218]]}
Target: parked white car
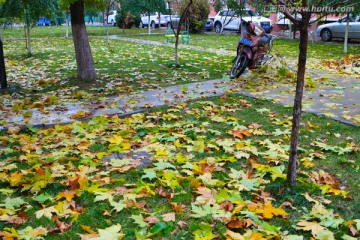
{"points": [[232, 21], [154, 20], [111, 17], [337, 29]]}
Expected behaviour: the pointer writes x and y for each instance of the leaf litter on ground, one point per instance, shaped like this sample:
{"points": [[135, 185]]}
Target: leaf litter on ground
{"points": [[198, 185]]}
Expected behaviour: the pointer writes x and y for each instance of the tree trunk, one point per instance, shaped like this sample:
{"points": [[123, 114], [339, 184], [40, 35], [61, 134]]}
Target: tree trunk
{"points": [[346, 33], [3, 81], [84, 59], [67, 24], [107, 29], [149, 31], [303, 27], [28, 39]]}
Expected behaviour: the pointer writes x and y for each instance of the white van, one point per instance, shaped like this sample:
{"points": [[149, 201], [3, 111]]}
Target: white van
{"points": [[231, 20]]}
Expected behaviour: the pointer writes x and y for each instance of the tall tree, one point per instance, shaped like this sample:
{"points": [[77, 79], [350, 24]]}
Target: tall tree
{"points": [[84, 59], [3, 80], [184, 11], [304, 9], [29, 11]]}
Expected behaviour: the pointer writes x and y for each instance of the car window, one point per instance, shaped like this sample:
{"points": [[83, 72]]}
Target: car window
{"points": [[250, 13], [352, 19], [227, 13]]}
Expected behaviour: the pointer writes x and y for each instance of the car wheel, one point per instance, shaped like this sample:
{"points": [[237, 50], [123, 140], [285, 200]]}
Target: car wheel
{"points": [[153, 25], [326, 35], [112, 22], [218, 27], [141, 25]]}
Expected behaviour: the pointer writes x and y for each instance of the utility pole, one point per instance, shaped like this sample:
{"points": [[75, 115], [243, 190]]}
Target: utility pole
{"points": [[3, 81]]}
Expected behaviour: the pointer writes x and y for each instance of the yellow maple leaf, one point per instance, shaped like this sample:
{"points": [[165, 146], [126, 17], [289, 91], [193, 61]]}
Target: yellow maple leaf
{"points": [[116, 140], [269, 211], [67, 194]]}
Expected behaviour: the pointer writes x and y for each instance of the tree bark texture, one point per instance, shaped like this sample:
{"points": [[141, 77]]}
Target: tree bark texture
{"points": [[84, 59], [303, 27], [28, 39], [3, 81]]}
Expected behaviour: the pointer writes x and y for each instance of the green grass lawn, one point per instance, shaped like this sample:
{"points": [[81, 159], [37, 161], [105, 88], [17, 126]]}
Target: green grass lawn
{"points": [[285, 47], [215, 167]]}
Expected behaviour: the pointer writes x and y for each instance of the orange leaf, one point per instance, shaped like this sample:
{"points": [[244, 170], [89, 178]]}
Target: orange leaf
{"points": [[241, 133], [236, 224], [178, 207]]}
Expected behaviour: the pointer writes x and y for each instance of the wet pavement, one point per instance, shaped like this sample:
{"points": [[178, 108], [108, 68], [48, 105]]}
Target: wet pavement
{"points": [[338, 99]]}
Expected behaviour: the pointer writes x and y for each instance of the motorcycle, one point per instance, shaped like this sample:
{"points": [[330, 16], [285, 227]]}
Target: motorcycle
{"points": [[252, 49]]}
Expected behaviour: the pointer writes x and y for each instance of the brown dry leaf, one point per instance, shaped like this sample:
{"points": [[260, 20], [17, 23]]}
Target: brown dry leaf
{"points": [[106, 213], [227, 206], [207, 195], [178, 207], [62, 227], [236, 224], [15, 220], [248, 222], [169, 217], [205, 167], [151, 219], [162, 192], [37, 232], [121, 190], [182, 224], [13, 130], [140, 205], [81, 114], [287, 204], [353, 231], [255, 125], [241, 133]]}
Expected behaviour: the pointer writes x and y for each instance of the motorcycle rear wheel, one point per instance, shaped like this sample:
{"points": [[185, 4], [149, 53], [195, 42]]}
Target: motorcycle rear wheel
{"points": [[240, 63]]}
